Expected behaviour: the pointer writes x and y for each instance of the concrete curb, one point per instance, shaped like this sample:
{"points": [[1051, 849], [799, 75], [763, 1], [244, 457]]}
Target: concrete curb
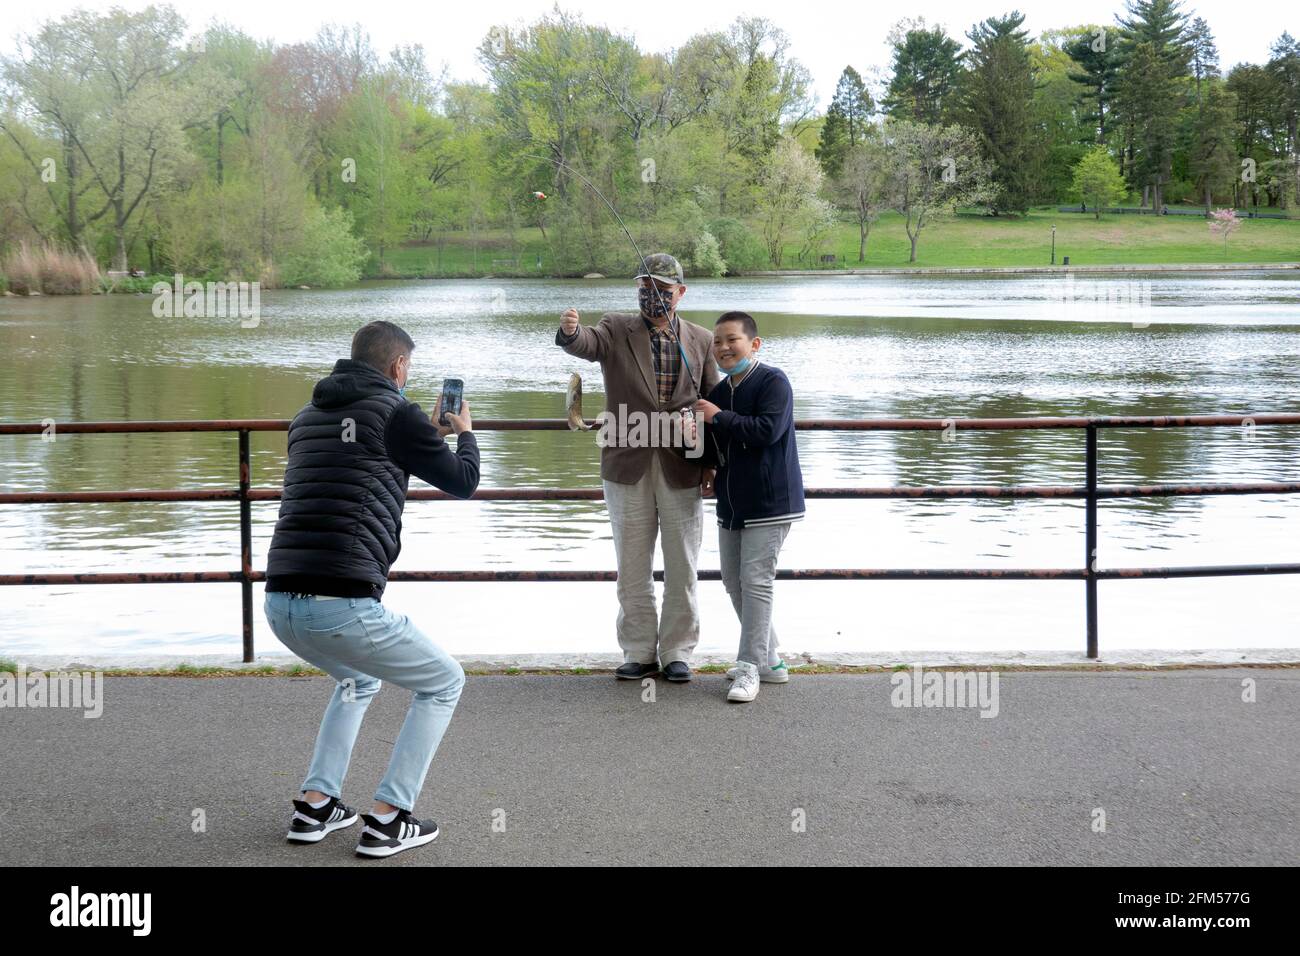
{"points": [[560, 663]]}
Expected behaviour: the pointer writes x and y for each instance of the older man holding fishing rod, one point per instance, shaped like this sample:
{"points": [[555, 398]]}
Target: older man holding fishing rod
{"points": [[654, 364]]}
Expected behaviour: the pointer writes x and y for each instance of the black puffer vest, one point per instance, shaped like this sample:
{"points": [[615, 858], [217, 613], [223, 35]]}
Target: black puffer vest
{"points": [[341, 515]]}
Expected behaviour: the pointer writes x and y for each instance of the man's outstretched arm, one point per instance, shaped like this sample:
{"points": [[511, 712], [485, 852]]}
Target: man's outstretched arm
{"points": [[415, 444], [590, 343]]}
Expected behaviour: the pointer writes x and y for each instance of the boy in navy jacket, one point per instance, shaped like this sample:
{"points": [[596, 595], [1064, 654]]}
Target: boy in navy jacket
{"points": [[749, 436]]}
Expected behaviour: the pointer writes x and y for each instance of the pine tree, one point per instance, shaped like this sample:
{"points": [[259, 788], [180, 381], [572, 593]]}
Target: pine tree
{"points": [[1256, 93], [1284, 68], [926, 67], [1213, 158], [1154, 55], [847, 121], [1211, 162], [1204, 54], [1097, 56], [998, 91]]}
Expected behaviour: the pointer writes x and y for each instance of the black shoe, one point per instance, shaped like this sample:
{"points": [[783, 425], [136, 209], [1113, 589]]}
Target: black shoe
{"points": [[310, 825], [677, 671], [634, 671], [403, 833]]}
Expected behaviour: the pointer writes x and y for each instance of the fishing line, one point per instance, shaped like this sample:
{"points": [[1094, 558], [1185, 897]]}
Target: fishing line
{"points": [[645, 266]]}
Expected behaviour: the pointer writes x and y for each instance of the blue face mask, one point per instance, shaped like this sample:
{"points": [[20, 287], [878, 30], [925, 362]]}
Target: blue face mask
{"points": [[738, 368]]}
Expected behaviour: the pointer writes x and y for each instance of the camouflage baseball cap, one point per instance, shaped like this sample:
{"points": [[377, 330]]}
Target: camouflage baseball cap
{"points": [[663, 267]]}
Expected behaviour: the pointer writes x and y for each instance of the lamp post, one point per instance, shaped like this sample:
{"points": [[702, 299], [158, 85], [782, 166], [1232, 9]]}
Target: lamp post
{"points": [[1053, 243]]}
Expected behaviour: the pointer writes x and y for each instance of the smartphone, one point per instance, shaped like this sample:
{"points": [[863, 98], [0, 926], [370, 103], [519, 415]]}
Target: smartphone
{"points": [[452, 391]]}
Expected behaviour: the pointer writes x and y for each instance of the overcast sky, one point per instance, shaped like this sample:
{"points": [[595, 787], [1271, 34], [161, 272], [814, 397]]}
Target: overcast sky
{"points": [[826, 35]]}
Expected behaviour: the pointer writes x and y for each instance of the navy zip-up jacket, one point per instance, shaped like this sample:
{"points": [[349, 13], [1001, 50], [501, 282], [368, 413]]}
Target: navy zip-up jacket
{"points": [[751, 441]]}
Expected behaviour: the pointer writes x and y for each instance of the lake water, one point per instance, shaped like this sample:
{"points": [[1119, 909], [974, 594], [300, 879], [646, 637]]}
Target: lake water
{"points": [[878, 346]]}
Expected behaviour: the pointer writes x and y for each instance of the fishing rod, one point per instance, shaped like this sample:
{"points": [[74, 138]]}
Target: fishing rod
{"points": [[645, 266]]}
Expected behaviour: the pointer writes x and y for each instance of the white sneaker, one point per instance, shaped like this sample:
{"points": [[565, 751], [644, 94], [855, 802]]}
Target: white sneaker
{"points": [[776, 674], [745, 687]]}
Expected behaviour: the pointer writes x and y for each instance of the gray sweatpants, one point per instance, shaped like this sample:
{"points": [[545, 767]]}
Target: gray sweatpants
{"points": [[748, 571]]}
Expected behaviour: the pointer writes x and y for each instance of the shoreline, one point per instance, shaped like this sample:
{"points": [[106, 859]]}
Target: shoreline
{"points": [[909, 270], [1099, 269]]}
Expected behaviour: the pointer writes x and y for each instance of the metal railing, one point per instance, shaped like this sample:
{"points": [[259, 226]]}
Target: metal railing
{"points": [[1090, 491]]}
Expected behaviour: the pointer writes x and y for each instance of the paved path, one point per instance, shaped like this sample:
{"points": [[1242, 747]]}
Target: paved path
{"points": [[581, 770]]}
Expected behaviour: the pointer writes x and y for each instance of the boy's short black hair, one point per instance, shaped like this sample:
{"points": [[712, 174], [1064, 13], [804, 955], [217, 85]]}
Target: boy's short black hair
{"points": [[380, 343], [744, 318]]}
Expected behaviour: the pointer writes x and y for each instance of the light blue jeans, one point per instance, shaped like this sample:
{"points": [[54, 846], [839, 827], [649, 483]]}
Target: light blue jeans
{"points": [[360, 643]]}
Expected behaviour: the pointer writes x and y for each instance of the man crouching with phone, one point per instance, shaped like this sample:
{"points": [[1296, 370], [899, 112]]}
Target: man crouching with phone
{"points": [[351, 453]]}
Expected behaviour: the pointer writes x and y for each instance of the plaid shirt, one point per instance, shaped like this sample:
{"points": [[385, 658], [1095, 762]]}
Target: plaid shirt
{"points": [[667, 358]]}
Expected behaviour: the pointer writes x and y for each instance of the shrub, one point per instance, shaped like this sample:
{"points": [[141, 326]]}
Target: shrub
{"points": [[1177, 191], [740, 248], [50, 270], [328, 253], [1097, 180], [706, 257]]}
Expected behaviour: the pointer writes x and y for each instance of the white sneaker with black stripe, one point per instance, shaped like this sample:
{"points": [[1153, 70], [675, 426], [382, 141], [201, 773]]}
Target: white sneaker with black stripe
{"points": [[402, 833], [310, 825]]}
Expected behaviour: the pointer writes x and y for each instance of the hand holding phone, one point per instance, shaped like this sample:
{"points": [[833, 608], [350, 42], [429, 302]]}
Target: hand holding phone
{"points": [[453, 391], [461, 423]]}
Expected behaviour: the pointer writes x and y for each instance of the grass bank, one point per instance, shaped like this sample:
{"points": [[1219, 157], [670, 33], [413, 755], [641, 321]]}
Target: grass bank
{"points": [[960, 242]]}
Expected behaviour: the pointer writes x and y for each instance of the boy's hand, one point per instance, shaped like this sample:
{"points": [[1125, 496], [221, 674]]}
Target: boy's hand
{"points": [[706, 482], [569, 321], [690, 430], [706, 410]]}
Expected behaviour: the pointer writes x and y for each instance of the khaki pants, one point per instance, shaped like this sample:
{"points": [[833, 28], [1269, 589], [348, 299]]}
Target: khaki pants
{"points": [[638, 513]]}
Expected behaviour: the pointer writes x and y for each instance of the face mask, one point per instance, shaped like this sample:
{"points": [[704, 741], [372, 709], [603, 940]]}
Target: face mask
{"points": [[738, 368], [654, 305]]}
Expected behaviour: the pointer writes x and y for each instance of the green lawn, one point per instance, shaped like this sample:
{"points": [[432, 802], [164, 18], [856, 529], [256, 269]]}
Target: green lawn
{"points": [[973, 241], [961, 242]]}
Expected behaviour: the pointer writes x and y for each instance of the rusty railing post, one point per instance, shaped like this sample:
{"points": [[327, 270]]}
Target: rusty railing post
{"points": [[1090, 537], [246, 542]]}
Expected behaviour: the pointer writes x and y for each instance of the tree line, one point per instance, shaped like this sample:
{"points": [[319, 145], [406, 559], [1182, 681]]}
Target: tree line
{"points": [[126, 138]]}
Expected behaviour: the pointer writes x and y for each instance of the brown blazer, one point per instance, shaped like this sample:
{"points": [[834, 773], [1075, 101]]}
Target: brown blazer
{"points": [[621, 344]]}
